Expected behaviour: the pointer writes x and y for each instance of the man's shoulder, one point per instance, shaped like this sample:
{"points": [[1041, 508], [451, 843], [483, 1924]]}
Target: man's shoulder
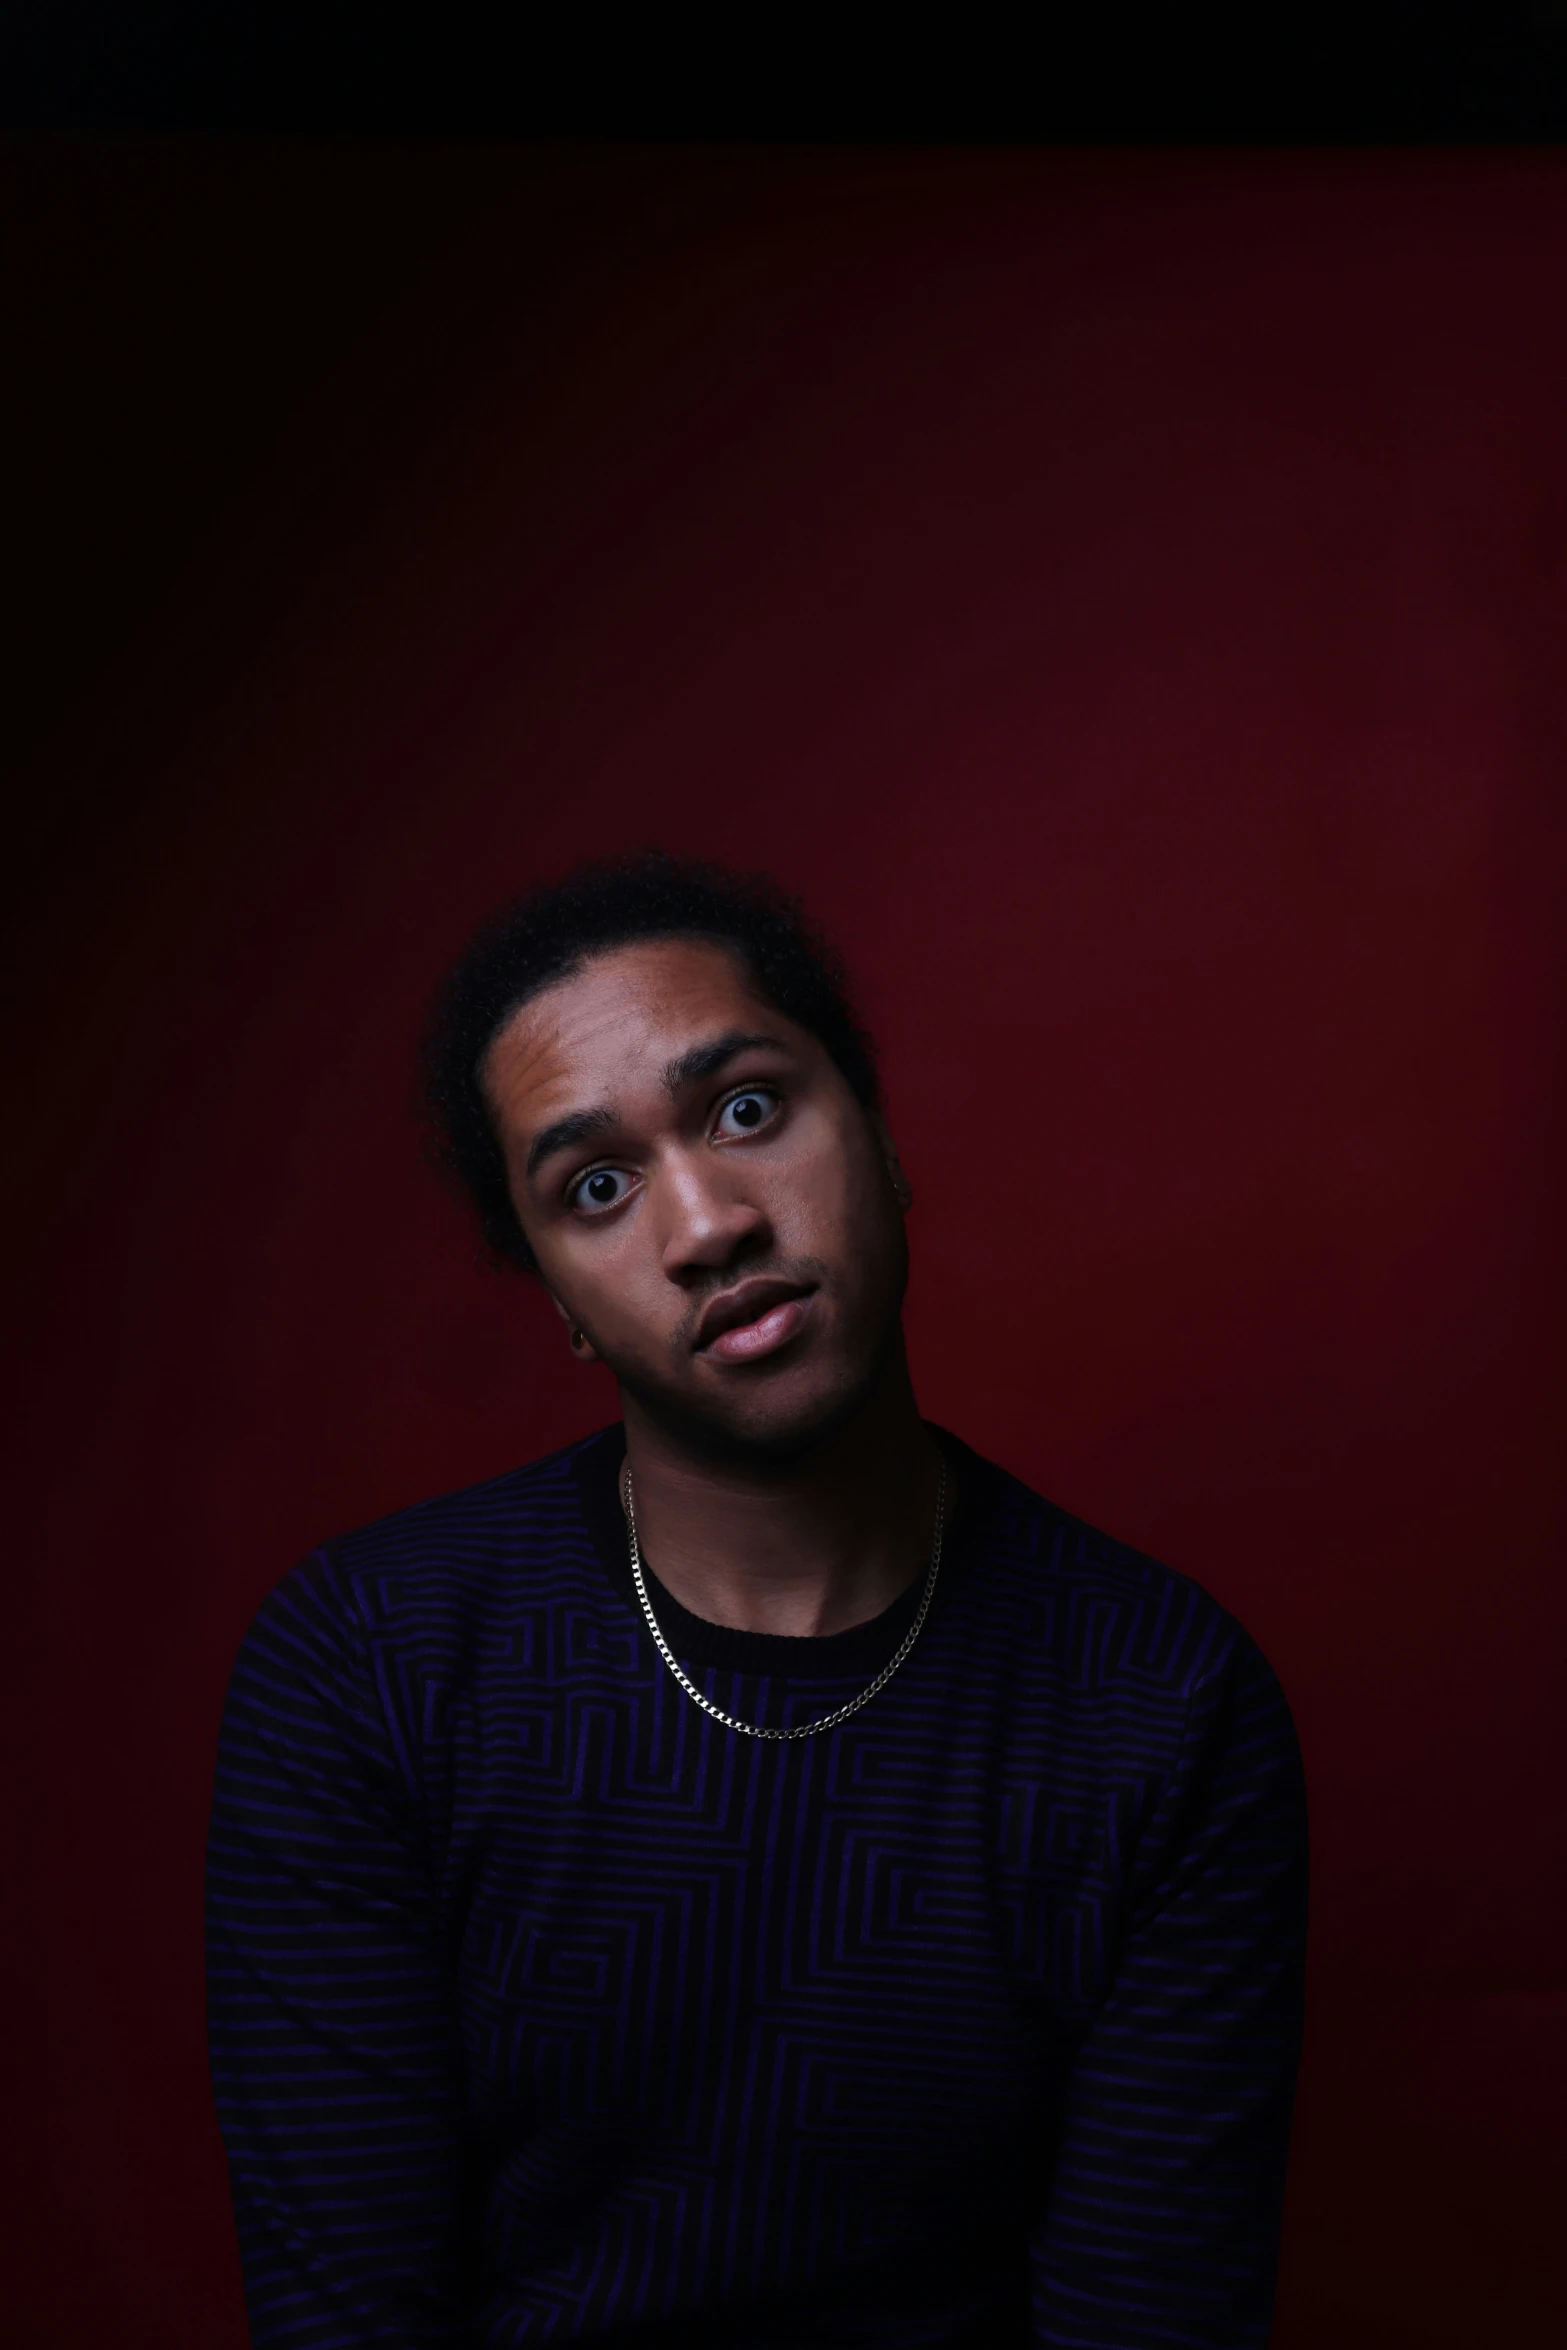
{"points": [[507, 1541], [439, 1589], [521, 1510], [1099, 1609]]}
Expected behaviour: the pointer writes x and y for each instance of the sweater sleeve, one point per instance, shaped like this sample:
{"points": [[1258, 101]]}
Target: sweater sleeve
{"points": [[332, 2041], [1162, 2222]]}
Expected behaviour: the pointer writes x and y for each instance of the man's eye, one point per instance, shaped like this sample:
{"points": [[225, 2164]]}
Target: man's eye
{"points": [[606, 1187], [744, 1112]]}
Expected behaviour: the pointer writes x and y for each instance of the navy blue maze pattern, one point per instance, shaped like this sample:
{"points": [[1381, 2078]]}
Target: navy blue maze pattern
{"points": [[543, 2009]]}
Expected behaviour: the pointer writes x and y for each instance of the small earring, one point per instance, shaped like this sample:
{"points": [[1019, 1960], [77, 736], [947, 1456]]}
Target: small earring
{"points": [[576, 1338]]}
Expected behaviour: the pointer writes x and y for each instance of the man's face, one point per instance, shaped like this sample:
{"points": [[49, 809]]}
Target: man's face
{"points": [[706, 1199]]}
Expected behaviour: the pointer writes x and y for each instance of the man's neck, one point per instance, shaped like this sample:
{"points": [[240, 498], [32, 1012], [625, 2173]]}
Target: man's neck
{"points": [[807, 1547]]}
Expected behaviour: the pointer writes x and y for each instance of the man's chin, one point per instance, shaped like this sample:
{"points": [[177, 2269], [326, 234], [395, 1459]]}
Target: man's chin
{"points": [[756, 1420]]}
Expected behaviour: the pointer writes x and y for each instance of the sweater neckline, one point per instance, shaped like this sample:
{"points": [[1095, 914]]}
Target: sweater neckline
{"points": [[863, 1648]]}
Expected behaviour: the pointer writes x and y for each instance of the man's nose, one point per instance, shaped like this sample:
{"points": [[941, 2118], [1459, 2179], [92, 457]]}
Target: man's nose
{"points": [[706, 1218]]}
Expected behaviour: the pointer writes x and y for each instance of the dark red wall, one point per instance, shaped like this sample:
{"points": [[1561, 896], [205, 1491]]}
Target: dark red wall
{"points": [[1129, 596]]}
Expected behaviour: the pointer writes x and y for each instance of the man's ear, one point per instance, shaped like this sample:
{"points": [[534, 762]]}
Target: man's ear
{"points": [[581, 1344], [902, 1188]]}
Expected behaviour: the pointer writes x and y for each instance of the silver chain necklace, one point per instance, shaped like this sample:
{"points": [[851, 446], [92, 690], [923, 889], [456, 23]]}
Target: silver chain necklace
{"points": [[840, 1713]]}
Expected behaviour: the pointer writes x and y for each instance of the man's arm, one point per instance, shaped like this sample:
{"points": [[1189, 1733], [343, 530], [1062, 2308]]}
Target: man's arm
{"points": [[1162, 2226], [333, 2048]]}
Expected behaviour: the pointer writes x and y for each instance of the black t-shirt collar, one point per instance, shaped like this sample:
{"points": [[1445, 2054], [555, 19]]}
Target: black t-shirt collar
{"points": [[860, 1651]]}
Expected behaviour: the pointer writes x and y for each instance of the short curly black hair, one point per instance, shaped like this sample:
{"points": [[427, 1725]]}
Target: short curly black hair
{"points": [[552, 931]]}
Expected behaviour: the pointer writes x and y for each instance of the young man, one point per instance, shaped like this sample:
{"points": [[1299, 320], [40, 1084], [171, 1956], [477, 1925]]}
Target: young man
{"points": [[760, 1876]]}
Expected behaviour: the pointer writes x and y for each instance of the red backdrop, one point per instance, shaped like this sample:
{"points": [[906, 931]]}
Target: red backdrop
{"points": [[1127, 595]]}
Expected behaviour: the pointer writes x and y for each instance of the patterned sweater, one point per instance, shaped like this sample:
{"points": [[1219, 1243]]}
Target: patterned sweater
{"points": [[546, 2009]]}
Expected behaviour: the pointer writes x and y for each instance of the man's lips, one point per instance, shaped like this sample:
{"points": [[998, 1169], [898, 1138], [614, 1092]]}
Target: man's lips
{"points": [[753, 1319]]}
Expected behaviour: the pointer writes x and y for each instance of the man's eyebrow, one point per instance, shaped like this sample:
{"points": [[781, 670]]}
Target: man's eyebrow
{"points": [[705, 1060], [566, 1131]]}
